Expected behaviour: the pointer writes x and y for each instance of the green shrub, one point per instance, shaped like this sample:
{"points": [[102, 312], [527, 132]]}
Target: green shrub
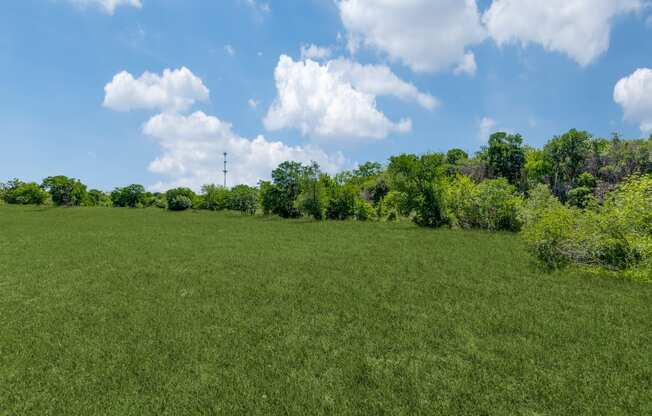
{"points": [[491, 205], [341, 205], [550, 237], [179, 203], [364, 211], [97, 198], [175, 200], [244, 198], [216, 198], [396, 202], [617, 235], [21, 193]]}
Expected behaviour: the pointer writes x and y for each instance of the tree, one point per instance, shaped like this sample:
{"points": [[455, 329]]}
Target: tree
{"points": [[455, 156], [131, 196], [280, 196], [313, 199], [244, 198], [65, 191], [97, 198], [505, 156], [566, 155], [368, 170], [422, 182]]}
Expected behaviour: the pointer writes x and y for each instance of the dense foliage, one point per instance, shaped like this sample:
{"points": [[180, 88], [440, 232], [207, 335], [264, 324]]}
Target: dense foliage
{"points": [[65, 191], [579, 199]]}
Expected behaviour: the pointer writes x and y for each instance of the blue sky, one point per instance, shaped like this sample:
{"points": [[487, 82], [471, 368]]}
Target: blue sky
{"points": [[368, 89]]}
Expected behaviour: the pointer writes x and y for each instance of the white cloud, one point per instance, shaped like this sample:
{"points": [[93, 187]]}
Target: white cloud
{"points": [[634, 95], [253, 104], [108, 6], [379, 80], [467, 66], [578, 28], [193, 146], [315, 52], [174, 90], [487, 125], [337, 100], [229, 49], [426, 35]]}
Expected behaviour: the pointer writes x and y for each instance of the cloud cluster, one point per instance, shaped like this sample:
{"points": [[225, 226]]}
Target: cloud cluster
{"points": [[578, 28], [379, 80], [337, 100], [634, 94], [426, 35], [434, 35], [192, 145], [108, 6], [174, 90], [315, 52]]}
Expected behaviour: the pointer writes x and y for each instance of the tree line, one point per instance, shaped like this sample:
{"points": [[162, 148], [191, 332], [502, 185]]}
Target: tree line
{"points": [[577, 200]]}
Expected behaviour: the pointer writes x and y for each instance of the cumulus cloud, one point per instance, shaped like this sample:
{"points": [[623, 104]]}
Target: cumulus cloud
{"points": [[338, 99], [108, 6], [578, 28], [193, 146], [634, 94], [487, 125], [426, 35], [315, 52], [174, 90], [379, 80]]}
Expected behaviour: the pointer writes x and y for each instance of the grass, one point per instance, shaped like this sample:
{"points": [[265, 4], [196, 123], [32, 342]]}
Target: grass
{"points": [[146, 312]]}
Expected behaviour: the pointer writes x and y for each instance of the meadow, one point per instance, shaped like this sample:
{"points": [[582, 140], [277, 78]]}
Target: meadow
{"points": [[152, 312]]}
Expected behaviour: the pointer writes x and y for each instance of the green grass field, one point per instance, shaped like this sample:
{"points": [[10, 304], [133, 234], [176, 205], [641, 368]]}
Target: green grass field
{"points": [[147, 312]]}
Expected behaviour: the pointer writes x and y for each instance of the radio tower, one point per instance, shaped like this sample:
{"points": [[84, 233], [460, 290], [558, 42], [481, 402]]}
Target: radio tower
{"points": [[225, 170]]}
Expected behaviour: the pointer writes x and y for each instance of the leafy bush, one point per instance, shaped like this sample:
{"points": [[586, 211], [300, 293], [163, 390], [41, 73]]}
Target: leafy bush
{"points": [[490, 205], [179, 203], [364, 211], [97, 198], [244, 198], [21, 193], [617, 235], [216, 198], [65, 191], [341, 205], [131, 196], [180, 199]]}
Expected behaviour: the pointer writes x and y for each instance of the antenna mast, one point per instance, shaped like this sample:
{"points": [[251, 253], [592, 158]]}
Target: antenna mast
{"points": [[225, 170]]}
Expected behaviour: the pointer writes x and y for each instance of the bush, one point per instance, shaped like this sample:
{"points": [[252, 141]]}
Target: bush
{"points": [[216, 198], [180, 199], [179, 203], [244, 198], [341, 205], [131, 196], [364, 211], [617, 235], [21, 193], [491, 205], [97, 198]]}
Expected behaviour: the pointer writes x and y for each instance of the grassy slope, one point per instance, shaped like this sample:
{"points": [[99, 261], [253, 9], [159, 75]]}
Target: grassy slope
{"points": [[139, 312]]}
